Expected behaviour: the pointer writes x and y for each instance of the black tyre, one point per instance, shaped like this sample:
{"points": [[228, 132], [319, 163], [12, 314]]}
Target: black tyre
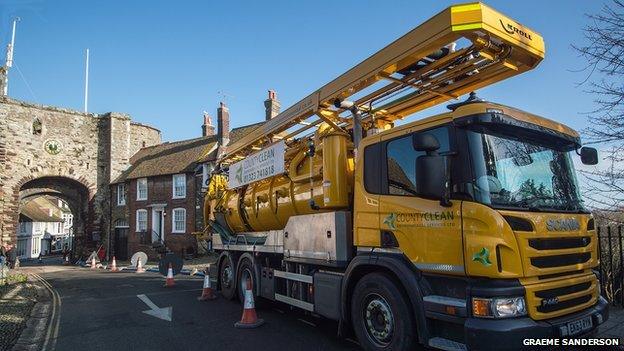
{"points": [[245, 271], [227, 279], [381, 315]]}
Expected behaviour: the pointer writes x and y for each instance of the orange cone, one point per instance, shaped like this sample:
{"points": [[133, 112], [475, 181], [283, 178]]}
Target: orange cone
{"points": [[249, 318], [93, 266], [207, 292], [140, 268], [169, 281], [114, 266]]}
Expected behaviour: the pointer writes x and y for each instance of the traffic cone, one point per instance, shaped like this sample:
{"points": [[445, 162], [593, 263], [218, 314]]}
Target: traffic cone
{"points": [[249, 318], [66, 262], [140, 268], [207, 292], [93, 263], [114, 265], [169, 281]]}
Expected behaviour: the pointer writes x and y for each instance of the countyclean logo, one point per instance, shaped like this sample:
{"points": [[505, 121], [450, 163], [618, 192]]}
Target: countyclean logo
{"points": [[511, 29], [420, 219]]}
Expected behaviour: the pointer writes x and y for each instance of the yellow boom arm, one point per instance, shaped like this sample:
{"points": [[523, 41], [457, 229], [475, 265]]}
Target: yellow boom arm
{"points": [[463, 48]]}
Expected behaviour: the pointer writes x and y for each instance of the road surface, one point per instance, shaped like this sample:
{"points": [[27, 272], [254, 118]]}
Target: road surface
{"points": [[100, 310]]}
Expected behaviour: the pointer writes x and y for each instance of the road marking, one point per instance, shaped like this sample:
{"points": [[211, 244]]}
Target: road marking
{"points": [[55, 318], [163, 313]]}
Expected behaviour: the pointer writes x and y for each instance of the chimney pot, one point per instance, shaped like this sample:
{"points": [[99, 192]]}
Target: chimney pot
{"points": [[223, 124], [271, 105], [207, 128]]}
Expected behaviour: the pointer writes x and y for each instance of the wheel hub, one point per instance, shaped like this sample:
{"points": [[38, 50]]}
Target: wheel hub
{"points": [[226, 277], [379, 320]]}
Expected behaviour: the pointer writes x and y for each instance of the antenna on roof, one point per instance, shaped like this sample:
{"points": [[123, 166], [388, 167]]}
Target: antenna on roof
{"points": [[224, 95]]}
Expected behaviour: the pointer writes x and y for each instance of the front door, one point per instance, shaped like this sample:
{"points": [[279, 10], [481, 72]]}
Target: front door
{"points": [[157, 225], [121, 243]]}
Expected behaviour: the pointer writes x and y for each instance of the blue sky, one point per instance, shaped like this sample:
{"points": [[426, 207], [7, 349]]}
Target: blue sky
{"points": [[164, 62]]}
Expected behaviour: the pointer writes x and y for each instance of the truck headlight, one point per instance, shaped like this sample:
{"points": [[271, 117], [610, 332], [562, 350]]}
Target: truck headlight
{"points": [[498, 307]]}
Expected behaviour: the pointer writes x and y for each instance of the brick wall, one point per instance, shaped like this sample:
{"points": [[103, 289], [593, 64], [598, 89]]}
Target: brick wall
{"points": [[160, 196]]}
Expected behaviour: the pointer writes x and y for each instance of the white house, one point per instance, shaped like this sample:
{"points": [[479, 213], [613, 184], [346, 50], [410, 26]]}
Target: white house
{"points": [[44, 227]]}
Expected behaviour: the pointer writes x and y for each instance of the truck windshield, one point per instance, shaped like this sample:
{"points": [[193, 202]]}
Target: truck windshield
{"points": [[519, 174]]}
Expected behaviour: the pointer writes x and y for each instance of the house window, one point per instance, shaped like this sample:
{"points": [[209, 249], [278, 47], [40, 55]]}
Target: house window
{"points": [[21, 247], [37, 227], [141, 189], [121, 194], [141, 220], [36, 245], [206, 170], [22, 227], [179, 220], [179, 186]]}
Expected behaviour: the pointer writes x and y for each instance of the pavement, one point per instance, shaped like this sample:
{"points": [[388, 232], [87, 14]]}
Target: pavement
{"points": [[100, 310]]}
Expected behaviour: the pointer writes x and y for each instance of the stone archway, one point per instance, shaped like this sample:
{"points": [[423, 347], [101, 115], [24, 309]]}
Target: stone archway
{"points": [[65, 153], [75, 193]]}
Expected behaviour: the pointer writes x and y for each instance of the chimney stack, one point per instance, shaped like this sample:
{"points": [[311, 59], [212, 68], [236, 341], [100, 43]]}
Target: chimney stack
{"points": [[223, 124], [207, 128], [271, 105]]}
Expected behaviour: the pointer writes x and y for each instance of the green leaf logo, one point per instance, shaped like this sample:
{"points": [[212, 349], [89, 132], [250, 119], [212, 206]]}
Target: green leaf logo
{"points": [[483, 257], [391, 221]]}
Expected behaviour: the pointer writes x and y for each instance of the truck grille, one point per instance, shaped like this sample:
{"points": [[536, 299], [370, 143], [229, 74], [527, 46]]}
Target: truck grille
{"points": [[544, 255], [562, 296], [560, 260], [559, 243]]}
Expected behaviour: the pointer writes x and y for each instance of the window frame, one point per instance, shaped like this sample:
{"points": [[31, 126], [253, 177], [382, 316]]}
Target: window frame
{"points": [[138, 189], [138, 227], [173, 186], [173, 220], [121, 194], [385, 189]]}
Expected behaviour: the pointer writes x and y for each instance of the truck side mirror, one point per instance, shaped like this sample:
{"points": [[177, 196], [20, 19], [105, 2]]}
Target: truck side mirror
{"points": [[589, 156], [432, 170]]}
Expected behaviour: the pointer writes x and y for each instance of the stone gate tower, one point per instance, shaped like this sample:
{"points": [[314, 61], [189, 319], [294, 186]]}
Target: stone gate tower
{"points": [[68, 154]]}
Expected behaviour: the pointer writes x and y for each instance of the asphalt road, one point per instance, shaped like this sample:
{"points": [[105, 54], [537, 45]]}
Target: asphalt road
{"points": [[100, 310]]}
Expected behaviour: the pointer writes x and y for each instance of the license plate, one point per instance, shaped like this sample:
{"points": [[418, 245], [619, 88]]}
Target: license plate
{"points": [[579, 326]]}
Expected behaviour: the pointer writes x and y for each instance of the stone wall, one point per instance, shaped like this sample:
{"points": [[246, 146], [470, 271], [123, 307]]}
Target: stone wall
{"points": [[64, 147]]}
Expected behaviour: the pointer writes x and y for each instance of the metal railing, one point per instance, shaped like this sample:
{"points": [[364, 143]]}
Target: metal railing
{"points": [[611, 269]]}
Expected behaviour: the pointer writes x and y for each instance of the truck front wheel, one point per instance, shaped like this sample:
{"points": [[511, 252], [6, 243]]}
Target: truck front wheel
{"points": [[381, 316]]}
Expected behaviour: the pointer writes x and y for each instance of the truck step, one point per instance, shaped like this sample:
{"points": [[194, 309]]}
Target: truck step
{"points": [[446, 344]]}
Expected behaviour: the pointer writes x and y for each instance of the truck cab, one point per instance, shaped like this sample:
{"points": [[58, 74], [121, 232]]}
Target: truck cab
{"points": [[483, 203]]}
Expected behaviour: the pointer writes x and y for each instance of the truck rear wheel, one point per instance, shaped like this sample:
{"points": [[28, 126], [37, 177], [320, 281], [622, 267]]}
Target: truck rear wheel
{"points": [[226, 278], [245, 271], [381, 315]]}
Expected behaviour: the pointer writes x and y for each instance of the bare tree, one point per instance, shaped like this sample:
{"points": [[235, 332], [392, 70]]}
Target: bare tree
{"points": [[604, 54]]}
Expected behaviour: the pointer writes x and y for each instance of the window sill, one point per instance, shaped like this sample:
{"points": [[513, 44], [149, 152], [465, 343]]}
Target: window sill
{"points": [[178, 197], [141, 199], [176, 232]]}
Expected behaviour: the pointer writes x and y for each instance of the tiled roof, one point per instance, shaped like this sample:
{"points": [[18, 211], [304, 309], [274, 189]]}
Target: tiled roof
{"points": [[235, 135], [38, 210], [177, 157]]}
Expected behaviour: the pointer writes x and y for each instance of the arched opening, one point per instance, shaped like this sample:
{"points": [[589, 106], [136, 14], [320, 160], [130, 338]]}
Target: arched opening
{"points": [[53, 216]]}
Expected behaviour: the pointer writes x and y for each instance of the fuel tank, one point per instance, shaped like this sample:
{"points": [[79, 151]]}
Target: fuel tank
{"points": [[318, 178]]}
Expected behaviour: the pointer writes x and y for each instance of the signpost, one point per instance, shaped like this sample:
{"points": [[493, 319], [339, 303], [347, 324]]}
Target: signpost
{"points": [[259, 165]]}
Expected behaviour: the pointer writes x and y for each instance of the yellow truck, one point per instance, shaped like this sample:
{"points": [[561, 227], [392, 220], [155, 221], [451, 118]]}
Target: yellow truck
{"points": [[463, 230]]}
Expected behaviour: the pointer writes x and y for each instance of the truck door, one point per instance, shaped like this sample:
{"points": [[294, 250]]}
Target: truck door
{"points": [[428, 233], [366, 195]]}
